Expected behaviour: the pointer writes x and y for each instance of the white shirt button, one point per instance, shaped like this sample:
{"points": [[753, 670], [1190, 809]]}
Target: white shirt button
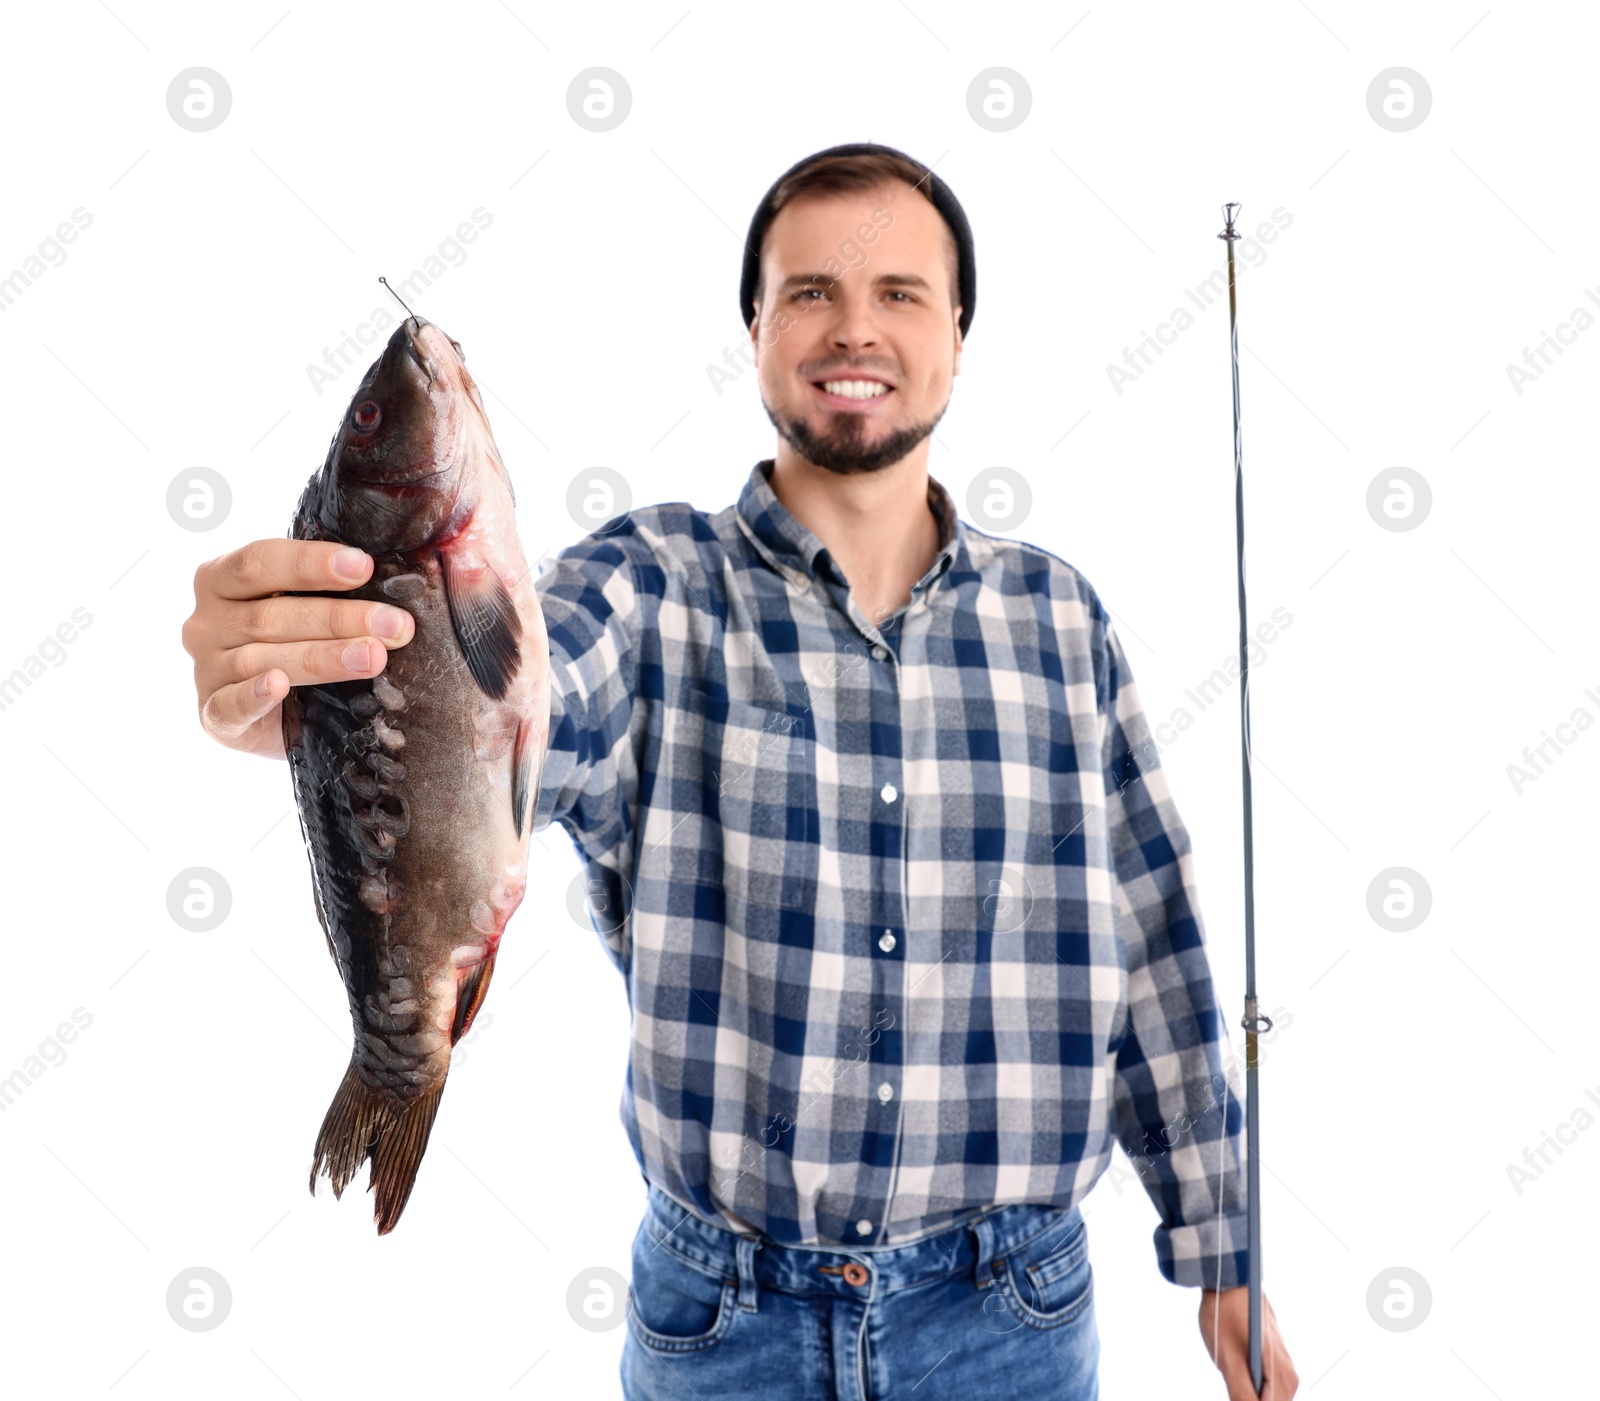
{"points": [[885, 1092], [864, 1226], [889, 793], [886, 941], [880, 652], [802, 583]]}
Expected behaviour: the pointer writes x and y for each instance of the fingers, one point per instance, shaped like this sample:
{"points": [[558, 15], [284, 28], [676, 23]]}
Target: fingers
{"points": [[1224, 1325], [1279, 1380], [245, 714], [1235, 1369], [236, 715], [246, 629], [1242, 1388], [1278, 1383], [265, 567], [241, 628], [308, 663], [308, 619]]}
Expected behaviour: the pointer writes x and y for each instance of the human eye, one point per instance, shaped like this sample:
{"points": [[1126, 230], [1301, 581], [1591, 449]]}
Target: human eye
{"points": [[801, 293]]}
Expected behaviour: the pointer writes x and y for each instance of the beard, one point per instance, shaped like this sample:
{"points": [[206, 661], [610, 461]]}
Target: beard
{"points": [[844, 446]]}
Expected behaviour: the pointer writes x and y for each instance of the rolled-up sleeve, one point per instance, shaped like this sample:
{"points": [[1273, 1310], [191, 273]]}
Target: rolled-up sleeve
{"points": [[1178, 1114]]}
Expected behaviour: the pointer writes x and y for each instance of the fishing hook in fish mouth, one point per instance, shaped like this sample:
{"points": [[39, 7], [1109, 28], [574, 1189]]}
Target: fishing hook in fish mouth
{"points": [[411, 349], [396, 296]]}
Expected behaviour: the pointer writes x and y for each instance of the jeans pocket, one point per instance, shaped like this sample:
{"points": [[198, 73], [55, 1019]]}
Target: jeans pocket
{"points": [[1049, 1280], [675, 1306]]}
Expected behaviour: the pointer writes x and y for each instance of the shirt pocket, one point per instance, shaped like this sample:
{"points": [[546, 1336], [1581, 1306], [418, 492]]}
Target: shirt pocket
{"points": [[759, 781]]}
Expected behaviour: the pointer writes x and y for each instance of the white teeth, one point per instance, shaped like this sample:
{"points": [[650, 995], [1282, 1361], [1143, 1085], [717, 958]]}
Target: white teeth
{"points": [[855, 388]]}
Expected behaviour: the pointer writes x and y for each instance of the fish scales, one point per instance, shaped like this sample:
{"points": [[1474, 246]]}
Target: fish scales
{"points": [[416, 789]]}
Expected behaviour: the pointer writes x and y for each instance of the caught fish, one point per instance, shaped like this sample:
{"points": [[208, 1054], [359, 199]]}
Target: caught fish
{"points": [[416, 788]]}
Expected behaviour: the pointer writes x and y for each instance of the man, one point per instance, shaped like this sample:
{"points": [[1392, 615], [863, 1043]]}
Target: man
{"points": [[883, 851]]}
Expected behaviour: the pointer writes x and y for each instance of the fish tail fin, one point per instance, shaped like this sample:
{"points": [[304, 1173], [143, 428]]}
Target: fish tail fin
{"points": [[399, 1155], [363, 1122]]}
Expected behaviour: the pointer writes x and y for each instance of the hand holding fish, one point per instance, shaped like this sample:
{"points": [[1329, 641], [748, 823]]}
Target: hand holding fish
{"points": [[417, 781], [251, 640]]}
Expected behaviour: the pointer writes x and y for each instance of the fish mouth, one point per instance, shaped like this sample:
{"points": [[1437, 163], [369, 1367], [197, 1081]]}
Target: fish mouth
{"points": [[439, 358], [419, 362], [415, 326]]}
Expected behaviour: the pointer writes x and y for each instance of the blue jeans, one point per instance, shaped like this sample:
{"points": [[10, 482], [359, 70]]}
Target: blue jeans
{"points": [[999, 1307]]}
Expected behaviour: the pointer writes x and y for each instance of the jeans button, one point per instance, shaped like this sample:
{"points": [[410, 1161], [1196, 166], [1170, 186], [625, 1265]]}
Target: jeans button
{"points": [[856, 1273]]}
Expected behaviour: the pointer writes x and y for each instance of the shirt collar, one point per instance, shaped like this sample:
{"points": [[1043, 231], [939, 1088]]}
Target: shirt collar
{"points": [[796, 552]]}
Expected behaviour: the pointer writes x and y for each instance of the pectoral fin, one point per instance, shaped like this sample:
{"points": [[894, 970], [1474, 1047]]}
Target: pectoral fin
{"points": [[487, 627]]}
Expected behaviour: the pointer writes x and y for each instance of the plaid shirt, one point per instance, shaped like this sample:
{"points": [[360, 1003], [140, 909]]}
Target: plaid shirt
{"points": [[905, 911]]}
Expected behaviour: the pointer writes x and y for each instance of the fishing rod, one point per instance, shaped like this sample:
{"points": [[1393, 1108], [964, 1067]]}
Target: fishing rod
{"points": [[1254, 1021]]}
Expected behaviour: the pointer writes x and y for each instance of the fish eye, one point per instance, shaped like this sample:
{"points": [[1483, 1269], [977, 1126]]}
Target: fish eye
{"points": [[367, 415]]}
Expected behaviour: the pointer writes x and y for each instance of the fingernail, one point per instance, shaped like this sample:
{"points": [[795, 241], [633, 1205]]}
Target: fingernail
{"points": [[389, 622], [350, 562], [356, 657], [263, 684]]}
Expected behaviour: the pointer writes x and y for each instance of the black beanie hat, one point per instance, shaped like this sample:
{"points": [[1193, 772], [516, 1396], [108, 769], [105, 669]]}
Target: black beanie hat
{"points": [[945, 202]]}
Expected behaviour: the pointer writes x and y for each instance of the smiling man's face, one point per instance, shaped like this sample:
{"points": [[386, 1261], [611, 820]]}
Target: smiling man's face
{"points": [[888, 321]]}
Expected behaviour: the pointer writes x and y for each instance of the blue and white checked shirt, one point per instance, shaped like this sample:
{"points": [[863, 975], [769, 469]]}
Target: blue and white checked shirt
{"points": [[905, 912]]}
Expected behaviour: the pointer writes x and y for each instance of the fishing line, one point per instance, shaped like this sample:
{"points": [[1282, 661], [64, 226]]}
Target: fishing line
{"points": [[396, 296]]}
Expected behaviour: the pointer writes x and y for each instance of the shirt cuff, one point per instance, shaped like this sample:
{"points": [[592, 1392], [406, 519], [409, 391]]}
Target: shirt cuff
{"points": [[1211, 1254]]}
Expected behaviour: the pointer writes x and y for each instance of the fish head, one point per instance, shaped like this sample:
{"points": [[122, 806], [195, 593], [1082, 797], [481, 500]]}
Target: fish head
{"points": [[401, 469]]}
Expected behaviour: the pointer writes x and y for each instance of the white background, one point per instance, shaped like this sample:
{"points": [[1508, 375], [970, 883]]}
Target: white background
{"points": [[1412, 1067]]}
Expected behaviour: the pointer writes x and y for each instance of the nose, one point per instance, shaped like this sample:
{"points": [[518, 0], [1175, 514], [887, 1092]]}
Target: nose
{"points": [[855, 325]]}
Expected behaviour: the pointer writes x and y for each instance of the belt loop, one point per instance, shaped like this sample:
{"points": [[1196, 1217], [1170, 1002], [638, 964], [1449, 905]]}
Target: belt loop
{"points": [[747, 1271], [983, 1235]]}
